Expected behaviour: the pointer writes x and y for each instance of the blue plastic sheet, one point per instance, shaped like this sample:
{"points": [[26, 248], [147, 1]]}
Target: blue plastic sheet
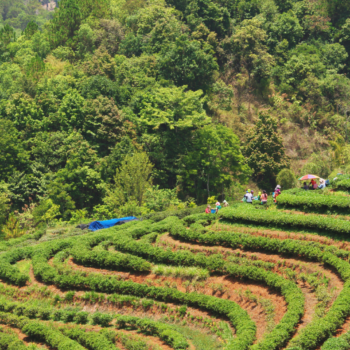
{"points": [[99, 225]]}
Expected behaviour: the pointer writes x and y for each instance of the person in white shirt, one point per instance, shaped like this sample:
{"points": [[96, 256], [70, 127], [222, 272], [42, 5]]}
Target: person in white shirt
{"points": [[322, 183], [249, 197]]}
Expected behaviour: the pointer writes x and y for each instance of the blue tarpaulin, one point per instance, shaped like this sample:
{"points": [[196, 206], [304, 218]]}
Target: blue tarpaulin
{"points": [[98, 225]]}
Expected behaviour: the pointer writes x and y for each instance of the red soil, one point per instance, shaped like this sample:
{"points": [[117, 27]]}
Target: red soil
{"points": [[308, 267], [255, 311]]}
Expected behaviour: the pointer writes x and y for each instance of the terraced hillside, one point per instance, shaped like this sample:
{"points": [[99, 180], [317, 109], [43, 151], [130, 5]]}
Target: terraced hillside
{"points": [[255, 279]]}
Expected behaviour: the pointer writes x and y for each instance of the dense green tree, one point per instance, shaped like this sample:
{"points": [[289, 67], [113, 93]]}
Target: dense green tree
{"points": [[334, 56], [214, 16], [7, 35], [246, 9], [45, 212], [101, 63], [213, 163], [265, 152], [284, 5], [58, 193], [65, 24], [97, 85], [178, 4], [28, 184], [80, 176], [173, 109], [169, 115], [188, 62], [10, 8], [86, 38], [71, 111], [40, 45], [54, 149], [136, 73], [248, 50], [83, 183], [132, 45], [31, 29], [108, 79], [344, 35], [12, 153], [69, 17], [126, 147], [22, 110], [131, 181], [11, 80], [286, 179], [103, 125], [338, 10], [157, 199], [109, 34], [287, 27], [4, 203]]}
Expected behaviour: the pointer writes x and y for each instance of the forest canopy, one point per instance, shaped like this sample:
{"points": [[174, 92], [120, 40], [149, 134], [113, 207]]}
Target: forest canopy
{"points": [[189, 89]]}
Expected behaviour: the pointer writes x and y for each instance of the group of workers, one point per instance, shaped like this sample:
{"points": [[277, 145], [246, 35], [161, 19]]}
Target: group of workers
{"points": [[262, 197], [209, 210], [313, 185]]}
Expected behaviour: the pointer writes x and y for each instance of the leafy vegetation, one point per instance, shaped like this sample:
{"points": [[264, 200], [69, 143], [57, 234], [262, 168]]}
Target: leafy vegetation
{"points": [[157, 108], [204, 95], [137, 248]]}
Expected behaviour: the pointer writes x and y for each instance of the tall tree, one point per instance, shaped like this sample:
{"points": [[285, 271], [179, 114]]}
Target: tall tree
{"points": [[214, 162], [65, 24], [249, 49], [70, 15], [132, 180], [12, 154], [167, 118], [188, 62], [265, 152]]}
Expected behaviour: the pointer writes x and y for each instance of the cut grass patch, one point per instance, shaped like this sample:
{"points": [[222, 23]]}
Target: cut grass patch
{"points": [[192, 273], [200, 339]]}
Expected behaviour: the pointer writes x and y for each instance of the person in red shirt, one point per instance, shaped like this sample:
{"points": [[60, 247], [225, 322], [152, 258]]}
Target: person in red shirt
{"points": [[313, 184], [208, 209], [277, 192]]}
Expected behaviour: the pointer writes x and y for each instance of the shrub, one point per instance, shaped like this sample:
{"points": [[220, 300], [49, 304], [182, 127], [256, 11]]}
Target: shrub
{"points": [[81, 317], [286, 179], [103, 320], [280, 219]]}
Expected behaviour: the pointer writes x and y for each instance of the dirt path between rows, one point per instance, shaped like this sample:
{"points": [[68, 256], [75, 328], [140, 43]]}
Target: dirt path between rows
{"points": [[226, 283], [107, 306], [310, 267], [281, 235]]}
